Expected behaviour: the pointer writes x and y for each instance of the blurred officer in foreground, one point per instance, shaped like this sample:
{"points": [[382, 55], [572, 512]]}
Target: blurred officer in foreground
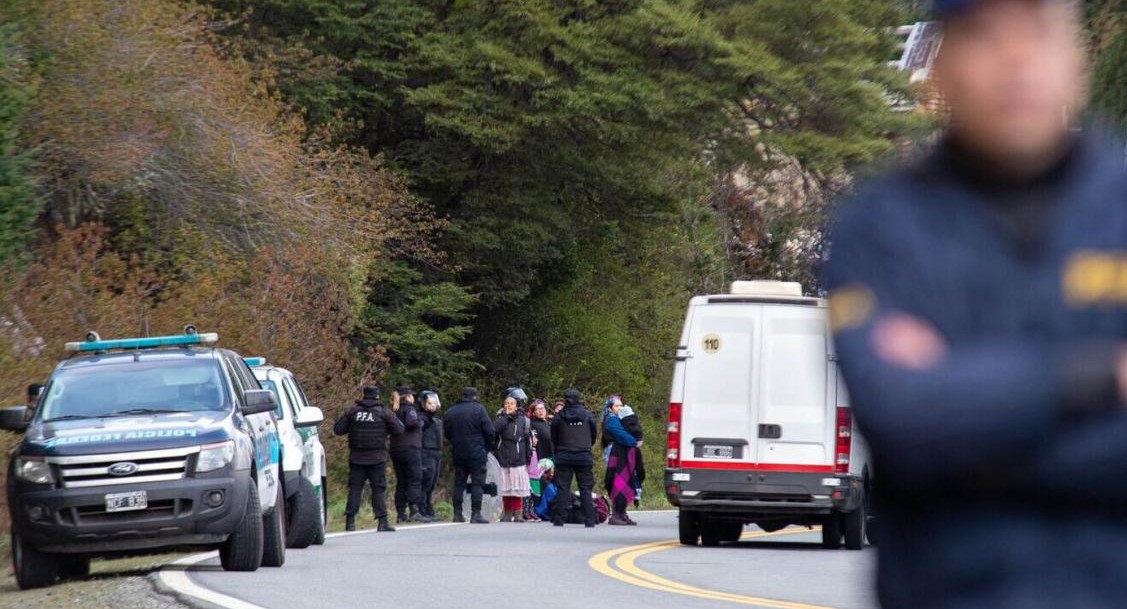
{"points": [[368, 425], [406, 457], [979, 300]]}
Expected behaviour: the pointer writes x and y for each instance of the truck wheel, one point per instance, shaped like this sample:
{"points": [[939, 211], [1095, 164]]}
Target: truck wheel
{"points": [[34, 569], [243, 549], [831, 531], [323, 499], [688, 525], [274, 533], [855, 528], [711, 532], [74, 567], [732, 530], [304, 516]]}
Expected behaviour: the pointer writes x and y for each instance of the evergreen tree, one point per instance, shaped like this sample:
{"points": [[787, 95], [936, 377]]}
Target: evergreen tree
{"points": [[19, 202]]}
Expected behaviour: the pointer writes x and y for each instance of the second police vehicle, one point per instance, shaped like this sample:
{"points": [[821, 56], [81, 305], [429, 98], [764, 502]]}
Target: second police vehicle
{"points": [[145, 445]]}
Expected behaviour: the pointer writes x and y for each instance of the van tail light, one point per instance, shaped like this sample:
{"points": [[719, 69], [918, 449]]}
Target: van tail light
{"points": [[673, 439], [844, 444]]}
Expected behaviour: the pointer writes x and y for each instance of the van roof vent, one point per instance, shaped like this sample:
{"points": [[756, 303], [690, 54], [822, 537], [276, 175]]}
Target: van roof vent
{"points": [[790, 289]]}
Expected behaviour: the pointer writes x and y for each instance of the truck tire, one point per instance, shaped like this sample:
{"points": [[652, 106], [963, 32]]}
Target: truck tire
{"points": [[711, 532], [34, 569], [831, 531], [732, 530], [74, 567], [688, 525], [323, 498], [243, 549], [855, 528], [274, 533], [304, 516]]}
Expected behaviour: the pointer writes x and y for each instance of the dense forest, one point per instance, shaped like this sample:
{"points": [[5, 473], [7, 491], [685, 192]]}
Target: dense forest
{"points": [[437, 192]]}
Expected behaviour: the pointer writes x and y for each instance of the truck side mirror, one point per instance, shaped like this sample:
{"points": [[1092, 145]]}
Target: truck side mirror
{"points": [[310, 416], [256, 401], [14, 418]]}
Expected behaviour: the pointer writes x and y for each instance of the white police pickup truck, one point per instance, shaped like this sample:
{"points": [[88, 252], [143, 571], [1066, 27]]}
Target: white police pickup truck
{"points": [[145, 445], [304, 474]]}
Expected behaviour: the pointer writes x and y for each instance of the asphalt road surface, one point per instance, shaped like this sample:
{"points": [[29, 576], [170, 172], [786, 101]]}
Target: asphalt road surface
{"points": [[499, 565]]}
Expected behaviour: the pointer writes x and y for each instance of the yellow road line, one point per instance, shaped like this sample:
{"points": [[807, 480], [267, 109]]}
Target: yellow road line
{"points": [[620, 564]]}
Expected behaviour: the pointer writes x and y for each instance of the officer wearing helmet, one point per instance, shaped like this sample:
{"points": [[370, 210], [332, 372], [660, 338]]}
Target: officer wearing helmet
{"points": [[979, 303]]}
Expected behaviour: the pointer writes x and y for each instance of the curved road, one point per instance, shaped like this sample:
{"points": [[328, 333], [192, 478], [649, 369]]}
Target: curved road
{"points": [[500, 564]]}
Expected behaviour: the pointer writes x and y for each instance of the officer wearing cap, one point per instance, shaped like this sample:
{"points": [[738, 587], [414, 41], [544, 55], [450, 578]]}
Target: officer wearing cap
{"points": [[406, 457], [979, 303], [368, 424]]}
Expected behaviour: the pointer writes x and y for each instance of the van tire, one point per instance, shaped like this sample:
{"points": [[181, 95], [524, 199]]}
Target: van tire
{"points": [[274, 533], [831, 531], [74, 567], [34, 569], [323, 498], [711, 532], [733, 530], [855, 528], [243, 549], [304, 516], [688, 525]]}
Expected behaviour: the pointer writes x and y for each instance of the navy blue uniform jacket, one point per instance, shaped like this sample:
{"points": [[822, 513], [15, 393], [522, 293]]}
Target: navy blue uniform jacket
{"points": [[1002, 468]]}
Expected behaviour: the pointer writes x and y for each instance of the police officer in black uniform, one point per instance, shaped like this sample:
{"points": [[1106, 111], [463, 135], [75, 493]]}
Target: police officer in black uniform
{"points": [[979, 301], [432, 451], [368, 425], [573, 435], [406, 456]]}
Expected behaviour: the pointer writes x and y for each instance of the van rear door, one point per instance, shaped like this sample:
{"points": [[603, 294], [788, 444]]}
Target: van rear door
{"points": [[796, 391], [718, 421]]}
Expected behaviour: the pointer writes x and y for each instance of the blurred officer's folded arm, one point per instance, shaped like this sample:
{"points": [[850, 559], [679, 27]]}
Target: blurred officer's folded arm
{"points": [[945, 409]]}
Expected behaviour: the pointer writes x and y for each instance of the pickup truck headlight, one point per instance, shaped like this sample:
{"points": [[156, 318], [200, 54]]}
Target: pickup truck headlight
{"points": [[215, 456], [34, 470]]}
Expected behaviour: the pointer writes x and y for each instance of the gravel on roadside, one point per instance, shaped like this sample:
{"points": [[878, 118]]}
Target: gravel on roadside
{"points": [[113, 584]]}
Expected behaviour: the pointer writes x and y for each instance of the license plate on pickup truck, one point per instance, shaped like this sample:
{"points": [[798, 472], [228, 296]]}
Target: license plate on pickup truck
{"points": [[710, 451], [125, 502]]}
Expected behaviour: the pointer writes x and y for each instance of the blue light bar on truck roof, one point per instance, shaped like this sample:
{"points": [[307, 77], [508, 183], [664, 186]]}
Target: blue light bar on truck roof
{"points": [[143, 343], [255, 361]]}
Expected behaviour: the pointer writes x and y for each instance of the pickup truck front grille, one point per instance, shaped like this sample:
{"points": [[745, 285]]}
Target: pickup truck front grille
{"points": [[109, 469]]}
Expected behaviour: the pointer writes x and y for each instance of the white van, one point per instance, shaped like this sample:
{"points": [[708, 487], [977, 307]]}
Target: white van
{"points": [[760, 429]]}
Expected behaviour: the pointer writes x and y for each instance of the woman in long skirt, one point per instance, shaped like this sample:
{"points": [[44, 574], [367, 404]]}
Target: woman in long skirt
{"points": [[513, 451]]}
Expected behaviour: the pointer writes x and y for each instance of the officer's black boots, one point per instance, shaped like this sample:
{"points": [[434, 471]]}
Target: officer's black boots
{"points": [[458, 517], [400, 516], [477, 518], [418, 516], [385, 526], [350, 523]]}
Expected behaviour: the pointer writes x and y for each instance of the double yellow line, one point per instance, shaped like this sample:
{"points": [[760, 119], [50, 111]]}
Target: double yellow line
{"points": [[621, 564]]}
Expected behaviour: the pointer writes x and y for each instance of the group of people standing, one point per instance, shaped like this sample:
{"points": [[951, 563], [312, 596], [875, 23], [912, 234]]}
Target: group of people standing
{"points": [[539, 450]]}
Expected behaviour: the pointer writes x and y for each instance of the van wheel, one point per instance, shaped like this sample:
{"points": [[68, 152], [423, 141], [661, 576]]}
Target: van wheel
{"points": [[34, 569], [243, 549], [274, 532], [831, 531], [323, 499], [304, 516], [711, 532], [74, 567], [855, 528], [688, 525], [733, 530]]}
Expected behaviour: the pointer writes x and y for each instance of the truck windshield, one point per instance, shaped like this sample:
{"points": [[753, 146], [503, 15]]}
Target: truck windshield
{"points": [[135, 388]]}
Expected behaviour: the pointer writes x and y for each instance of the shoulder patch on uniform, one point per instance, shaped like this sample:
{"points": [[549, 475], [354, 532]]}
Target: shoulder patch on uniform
{"points": [[1091, 277], [850, 306]]}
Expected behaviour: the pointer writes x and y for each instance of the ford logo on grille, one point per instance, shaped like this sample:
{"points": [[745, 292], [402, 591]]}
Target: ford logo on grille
{"points": [[124, 468]]}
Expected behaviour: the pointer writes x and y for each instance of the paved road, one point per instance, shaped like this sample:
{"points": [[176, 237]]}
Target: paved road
{"points": [[498, 564]]}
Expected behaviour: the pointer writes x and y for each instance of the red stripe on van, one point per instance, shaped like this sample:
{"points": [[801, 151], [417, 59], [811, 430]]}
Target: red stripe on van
{"points": [[761, 467]]}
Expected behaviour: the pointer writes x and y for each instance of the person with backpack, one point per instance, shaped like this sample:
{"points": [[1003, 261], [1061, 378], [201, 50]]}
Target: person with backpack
{"points": [[470, 432], [367, 425], [621, 449], [431, 452], [573, 435], [513, 451]]}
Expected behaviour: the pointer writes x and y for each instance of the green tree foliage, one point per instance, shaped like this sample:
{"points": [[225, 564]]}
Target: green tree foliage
{"points": [[20, 203], [1107, 29]]}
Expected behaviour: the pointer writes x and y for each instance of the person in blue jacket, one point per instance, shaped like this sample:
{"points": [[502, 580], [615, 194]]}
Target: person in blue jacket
{"points": [[979, 303]]}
